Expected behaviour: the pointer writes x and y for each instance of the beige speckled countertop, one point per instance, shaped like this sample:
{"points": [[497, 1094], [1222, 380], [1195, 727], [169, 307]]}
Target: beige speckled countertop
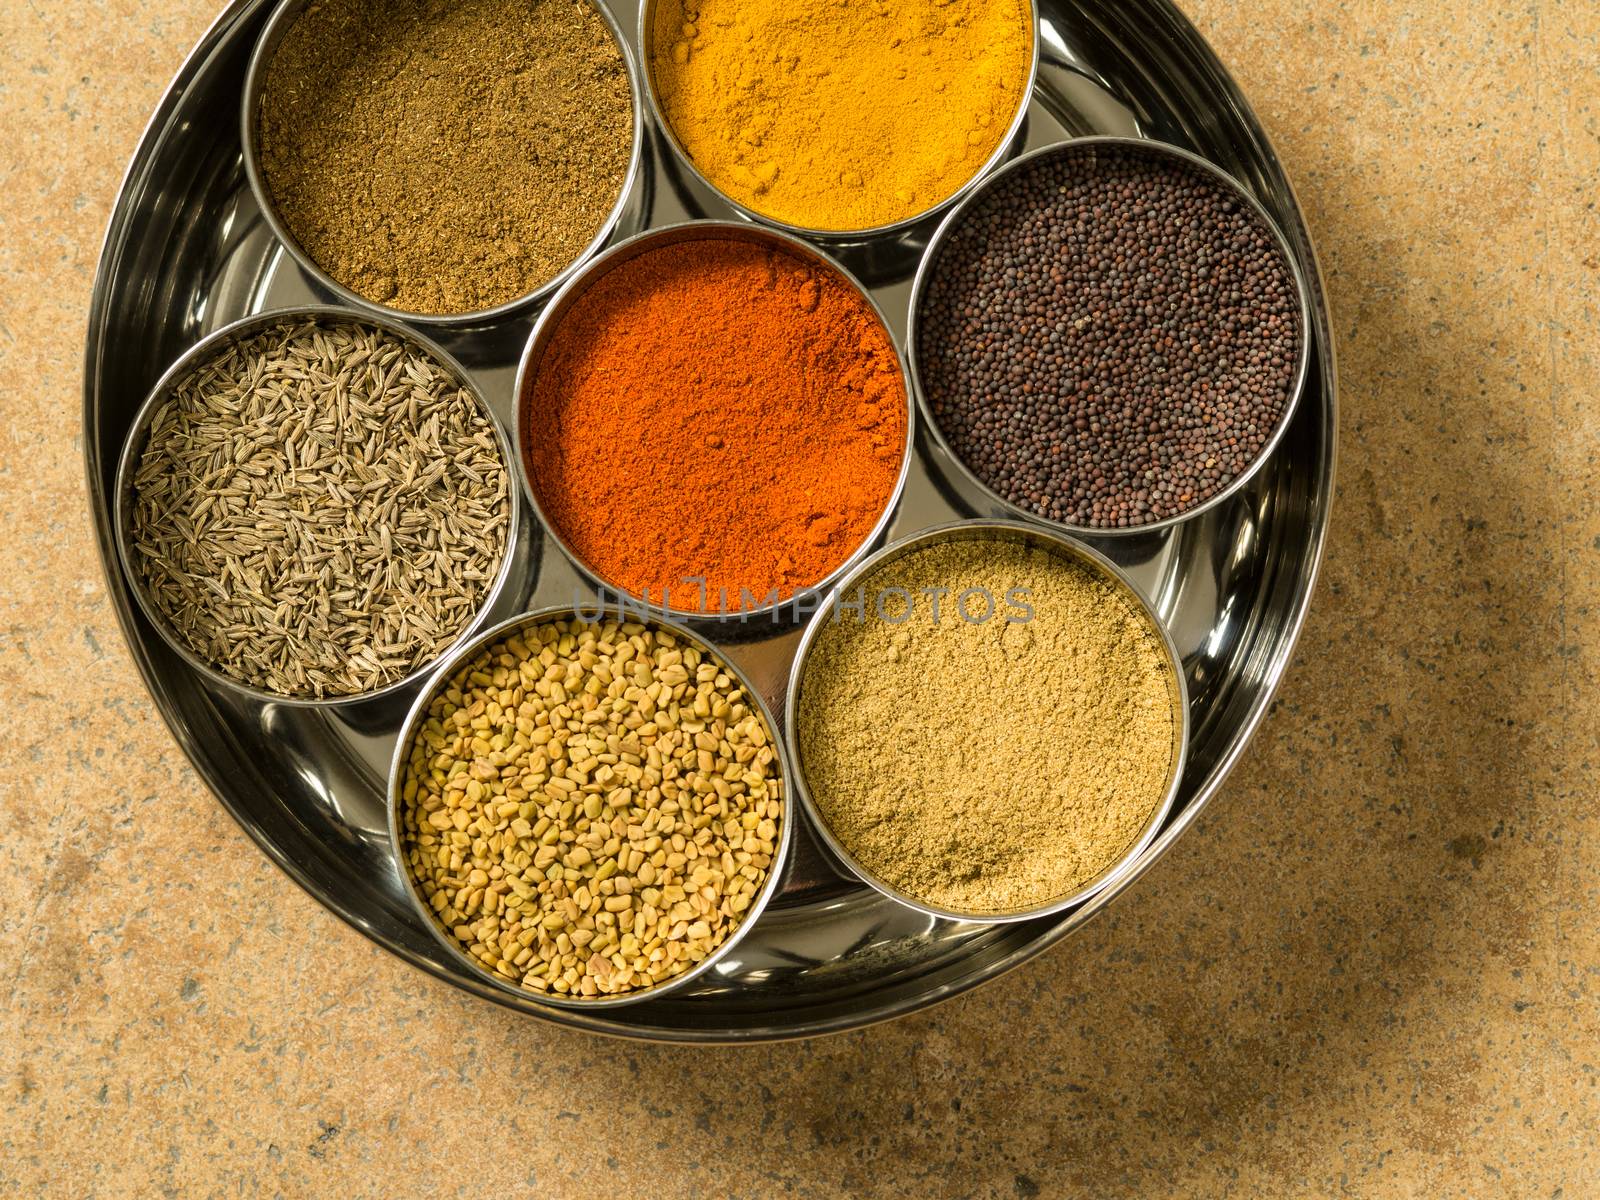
{"points": [[1372, 970]]}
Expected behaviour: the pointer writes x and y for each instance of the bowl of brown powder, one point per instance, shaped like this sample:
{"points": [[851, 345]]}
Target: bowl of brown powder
{"points": [[447, 161], [314, 507], [988, 722]]}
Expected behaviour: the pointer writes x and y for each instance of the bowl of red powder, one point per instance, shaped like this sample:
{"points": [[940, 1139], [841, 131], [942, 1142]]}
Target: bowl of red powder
{"points": [[714, 419]]}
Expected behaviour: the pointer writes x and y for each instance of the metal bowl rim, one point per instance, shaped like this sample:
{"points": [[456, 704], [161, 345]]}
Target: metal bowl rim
{"points": [[994, 530], [835, 236], [927, 268], [417, 715], [596, 269], [266, 46], [193, 359]]}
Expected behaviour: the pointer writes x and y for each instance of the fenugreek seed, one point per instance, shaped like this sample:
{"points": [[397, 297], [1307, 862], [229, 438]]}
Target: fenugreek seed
{"points": [[533, 855]]}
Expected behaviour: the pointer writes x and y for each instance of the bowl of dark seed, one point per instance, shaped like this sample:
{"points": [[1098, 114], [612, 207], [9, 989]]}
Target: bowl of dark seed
{"points": [[313, 507], [1109, 336], [444, 161], [589, 809]]}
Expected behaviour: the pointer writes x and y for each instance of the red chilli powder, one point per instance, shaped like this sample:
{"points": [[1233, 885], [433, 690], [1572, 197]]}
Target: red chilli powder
{"points": [[718, 410]]}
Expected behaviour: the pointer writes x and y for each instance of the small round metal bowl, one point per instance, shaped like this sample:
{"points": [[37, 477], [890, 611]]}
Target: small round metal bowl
{"points": [[1016, 532], [460, 658], [255, 80], [1003, 149], [1086, 145], [195, 358], [725, 620]]}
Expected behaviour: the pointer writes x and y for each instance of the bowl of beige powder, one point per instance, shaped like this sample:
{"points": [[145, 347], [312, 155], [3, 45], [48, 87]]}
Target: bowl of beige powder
{"points": [[988, 722]]}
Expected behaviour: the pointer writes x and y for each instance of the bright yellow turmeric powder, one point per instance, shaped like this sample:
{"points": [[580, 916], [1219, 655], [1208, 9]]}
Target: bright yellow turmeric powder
{"points": [[840, 114]]}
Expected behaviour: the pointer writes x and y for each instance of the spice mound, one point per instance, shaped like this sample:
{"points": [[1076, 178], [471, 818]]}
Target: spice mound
{"points": [[591, 809], [1110, 336], [991, 728], [840, 116], [718, 424], [319, 509], [445, 156]]}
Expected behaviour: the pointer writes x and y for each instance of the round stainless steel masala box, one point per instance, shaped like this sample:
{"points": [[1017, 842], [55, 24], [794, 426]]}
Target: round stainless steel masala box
{"points": [[787, 610], [272, 35], [184, 249], [461, 658], [1071, 550], [929, 268], [917, 223], [196, 359]]}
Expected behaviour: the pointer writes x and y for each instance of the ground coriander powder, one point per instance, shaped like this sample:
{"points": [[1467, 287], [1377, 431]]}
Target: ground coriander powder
{"points": [[445, 156], [988, 765]]}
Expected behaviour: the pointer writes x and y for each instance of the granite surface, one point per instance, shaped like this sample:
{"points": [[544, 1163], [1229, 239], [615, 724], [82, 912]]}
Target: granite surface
{"points": [[1373, 970]]}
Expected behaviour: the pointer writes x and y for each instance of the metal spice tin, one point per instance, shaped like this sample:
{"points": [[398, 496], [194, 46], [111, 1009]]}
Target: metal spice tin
{"points": [[929, 268], [784, 612], [460, 657], [255, 78], [1030, 534], [909, 227], [195, 358]]}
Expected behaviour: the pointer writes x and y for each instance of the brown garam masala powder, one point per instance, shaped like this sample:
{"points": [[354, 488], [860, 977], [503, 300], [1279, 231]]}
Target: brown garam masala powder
{"points": [[445, 156], [988, 766]]}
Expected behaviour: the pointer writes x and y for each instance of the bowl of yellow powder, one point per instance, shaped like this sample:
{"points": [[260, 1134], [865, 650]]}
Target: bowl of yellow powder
{"points": [[839, 120], [988, 722]]}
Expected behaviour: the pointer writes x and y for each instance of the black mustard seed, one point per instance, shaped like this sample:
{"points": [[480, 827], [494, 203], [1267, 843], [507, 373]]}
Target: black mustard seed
{"points": [[1109, 336]]}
